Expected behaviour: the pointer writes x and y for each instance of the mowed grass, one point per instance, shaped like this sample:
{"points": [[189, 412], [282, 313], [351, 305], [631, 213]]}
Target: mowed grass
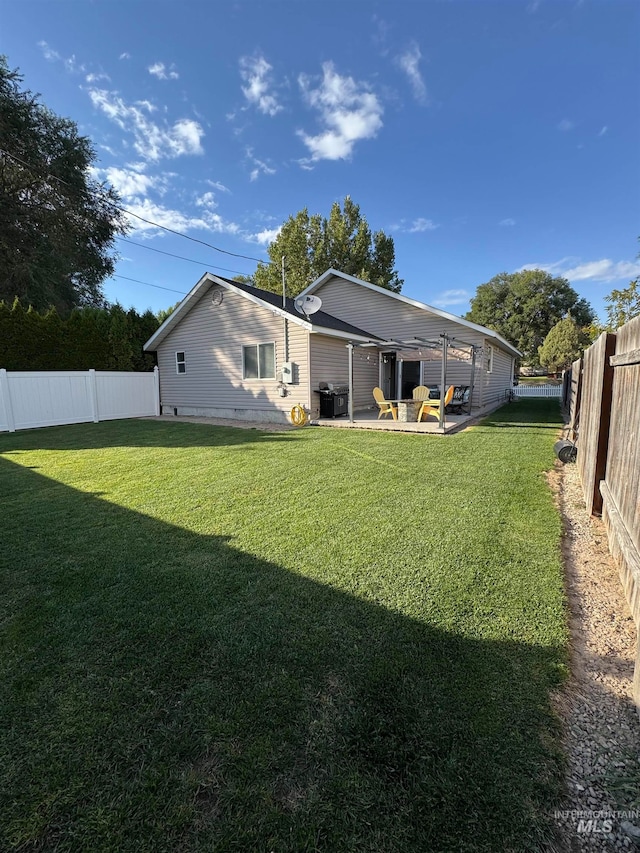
{"points": [[225, 640]]}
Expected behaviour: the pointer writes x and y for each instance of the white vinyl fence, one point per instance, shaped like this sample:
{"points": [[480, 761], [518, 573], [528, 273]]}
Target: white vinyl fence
{"points": [[538, 391], [47, 398]]}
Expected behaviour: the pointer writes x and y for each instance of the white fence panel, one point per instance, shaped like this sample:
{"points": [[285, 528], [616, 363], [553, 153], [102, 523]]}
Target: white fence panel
{"points": [[125, 395], [538, 391], [50, 398]]}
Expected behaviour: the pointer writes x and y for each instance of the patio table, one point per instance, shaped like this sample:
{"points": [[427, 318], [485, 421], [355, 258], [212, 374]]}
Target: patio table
{"points": [[407, 409]]}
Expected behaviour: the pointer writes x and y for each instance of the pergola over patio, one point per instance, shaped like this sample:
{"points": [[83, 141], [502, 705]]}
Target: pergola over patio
{"points": [[443, 347]]}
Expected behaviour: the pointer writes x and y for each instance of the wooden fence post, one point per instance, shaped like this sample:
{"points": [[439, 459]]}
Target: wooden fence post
{"points": [[621, 487], [576, 388], [595, 413]]}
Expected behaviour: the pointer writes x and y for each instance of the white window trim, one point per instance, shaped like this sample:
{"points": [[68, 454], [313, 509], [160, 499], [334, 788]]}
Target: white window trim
{"points": [[275, 365], [178, 363], [490, 358]]}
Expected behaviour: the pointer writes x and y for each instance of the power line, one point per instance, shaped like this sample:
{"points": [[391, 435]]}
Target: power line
{"points": [[137, 216], [148, 283], [180, 257]]}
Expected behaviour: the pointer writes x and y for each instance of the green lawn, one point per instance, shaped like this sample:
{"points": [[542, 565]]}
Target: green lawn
{"points": [[226, 640]]}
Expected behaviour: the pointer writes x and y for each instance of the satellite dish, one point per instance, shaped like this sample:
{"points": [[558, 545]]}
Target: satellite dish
{"points": [[307, 304]]}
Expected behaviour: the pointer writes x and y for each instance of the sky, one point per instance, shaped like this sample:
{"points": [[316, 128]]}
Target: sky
{"points": [[484, 136]]}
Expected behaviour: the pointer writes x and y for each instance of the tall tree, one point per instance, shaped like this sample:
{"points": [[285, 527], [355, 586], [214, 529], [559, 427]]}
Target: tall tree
{"points": [[623, 305], [313, 244], [524, 306], [57, 224], [565, 343]]}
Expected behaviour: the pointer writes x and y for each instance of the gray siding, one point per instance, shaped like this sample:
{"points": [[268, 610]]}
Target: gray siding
{"points": [[500, 379], [391, 318], [330, 363], [212, 337]]}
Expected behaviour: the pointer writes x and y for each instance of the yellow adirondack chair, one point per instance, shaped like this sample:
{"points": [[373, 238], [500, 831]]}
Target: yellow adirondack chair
{"points": [[386, 408], [421, 392], [432, 407]]}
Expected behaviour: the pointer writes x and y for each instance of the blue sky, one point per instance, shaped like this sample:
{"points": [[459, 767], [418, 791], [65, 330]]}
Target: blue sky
{"points": [[484, 136]]}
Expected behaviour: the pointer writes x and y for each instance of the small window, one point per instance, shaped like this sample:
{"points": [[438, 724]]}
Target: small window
{"points": [[259, 361], [181, 364], [489, 359]]}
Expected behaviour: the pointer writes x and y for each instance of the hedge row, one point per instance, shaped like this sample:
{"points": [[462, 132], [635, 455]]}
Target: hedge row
{"points": [[100, 338]]}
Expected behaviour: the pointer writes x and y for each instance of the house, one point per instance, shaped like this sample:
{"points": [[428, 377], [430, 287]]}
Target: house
{"points": [[233, 351]]}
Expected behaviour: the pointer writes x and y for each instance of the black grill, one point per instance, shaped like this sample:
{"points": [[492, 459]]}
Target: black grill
{"points": [[334, 399]]}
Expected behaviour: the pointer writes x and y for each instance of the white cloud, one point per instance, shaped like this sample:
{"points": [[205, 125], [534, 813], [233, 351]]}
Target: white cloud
{"points": [[69, 63], [348, 110], [151, 141], [159, 70], [125, 55], [565, 125], [127, 182], [259, 166], [207, 200], [452, 297], [603, 131], [95, 78], [255, 71], [507, 222], [265, 237], [409, 62], [419, 225], [603, 270], [218, 186], [176, 220]]}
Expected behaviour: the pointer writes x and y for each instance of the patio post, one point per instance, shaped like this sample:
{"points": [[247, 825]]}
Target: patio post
{"points": [[443, 377], [473, 374], [350, 348]]}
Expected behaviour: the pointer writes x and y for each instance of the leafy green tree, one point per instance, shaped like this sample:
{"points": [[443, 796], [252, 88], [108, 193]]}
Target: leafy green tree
{"points": [[565, 343], [163, 313], [313, 244], [524, 306], [57, 224], [622, 305]]}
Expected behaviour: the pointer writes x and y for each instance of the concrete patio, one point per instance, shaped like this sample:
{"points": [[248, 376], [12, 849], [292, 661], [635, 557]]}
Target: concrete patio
{"points": [[368, 419]]}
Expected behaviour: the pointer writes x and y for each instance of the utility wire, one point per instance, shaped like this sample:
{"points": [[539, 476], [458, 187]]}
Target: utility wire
{"points": [[137, 216], [148, 283], [180, 257]]}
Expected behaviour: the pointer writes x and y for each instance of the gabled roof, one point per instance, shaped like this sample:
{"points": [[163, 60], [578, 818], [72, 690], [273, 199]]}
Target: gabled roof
{"points": [[320, 322], [331, 273]]}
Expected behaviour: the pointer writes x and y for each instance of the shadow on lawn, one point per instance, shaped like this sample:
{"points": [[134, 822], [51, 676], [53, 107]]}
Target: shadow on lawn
{"points": [[165, 691], [135, 432]]}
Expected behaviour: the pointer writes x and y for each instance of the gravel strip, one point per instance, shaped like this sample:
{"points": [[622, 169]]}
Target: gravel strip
{"points": [[601, 723]]}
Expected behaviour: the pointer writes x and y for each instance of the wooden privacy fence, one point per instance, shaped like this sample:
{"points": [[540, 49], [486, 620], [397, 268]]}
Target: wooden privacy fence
{"points": [[609, 452], [47, 398]]}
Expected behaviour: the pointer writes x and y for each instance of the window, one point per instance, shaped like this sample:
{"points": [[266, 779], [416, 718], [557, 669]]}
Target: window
{"points": [[181, 364], [489, 352], [259, 361]]}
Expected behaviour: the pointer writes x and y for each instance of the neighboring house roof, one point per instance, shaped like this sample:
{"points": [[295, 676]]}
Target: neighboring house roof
{"points": [[320, 322], [331, 273]]}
